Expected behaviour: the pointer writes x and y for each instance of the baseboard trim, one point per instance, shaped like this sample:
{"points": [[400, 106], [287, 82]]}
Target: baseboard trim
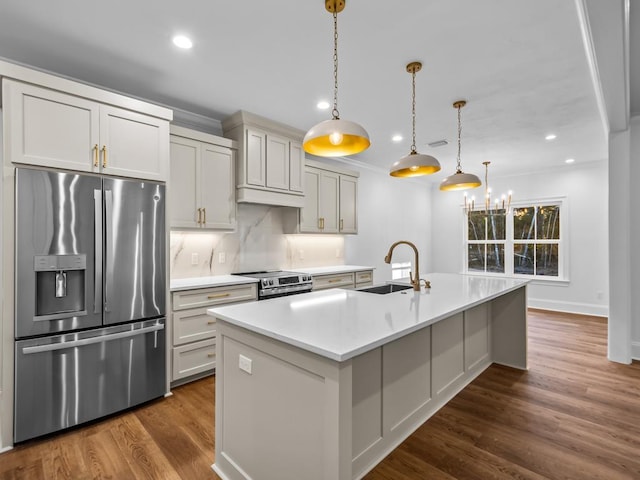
{"points": [[569, 307], [635, 350]]}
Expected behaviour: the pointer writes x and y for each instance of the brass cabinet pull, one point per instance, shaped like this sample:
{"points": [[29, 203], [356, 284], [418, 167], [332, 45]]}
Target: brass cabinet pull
{"points": [[204, 216], [210, 355], [218, 295], [104, 156], [199, 216], [319, 223], [341, 224], [211, 322], [95, 155], [335, 280]]}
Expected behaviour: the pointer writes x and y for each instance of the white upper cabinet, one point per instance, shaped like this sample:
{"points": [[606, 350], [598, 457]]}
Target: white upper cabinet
{"points": [[296, 167], [202, 181], [132, 144], [270, 167], [331, 201], [348, 222], [278, 164], [55, 129]]}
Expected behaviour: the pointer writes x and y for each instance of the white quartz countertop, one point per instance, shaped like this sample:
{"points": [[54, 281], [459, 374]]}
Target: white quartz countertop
{"points": [[333, 269], [340, 324], [178, 284]]}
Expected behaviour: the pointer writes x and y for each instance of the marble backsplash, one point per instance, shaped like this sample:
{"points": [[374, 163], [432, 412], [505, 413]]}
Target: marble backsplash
{"points": [[258, 243]]}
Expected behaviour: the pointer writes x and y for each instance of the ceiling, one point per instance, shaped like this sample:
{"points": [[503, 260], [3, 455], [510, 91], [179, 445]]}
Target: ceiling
{"points": [[521, 65]]}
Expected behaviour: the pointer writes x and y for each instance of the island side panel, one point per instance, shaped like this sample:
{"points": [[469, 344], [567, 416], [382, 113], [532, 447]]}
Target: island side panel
{"points": [[287, 419], [509, 329], [418, 373]]}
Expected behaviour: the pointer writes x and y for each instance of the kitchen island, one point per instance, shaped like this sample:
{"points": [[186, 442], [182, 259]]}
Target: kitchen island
{"points": [[324, 385]]}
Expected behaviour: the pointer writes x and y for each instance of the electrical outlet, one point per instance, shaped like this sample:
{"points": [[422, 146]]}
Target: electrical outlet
{"points": [[599, 295], [244, 363], [194, 259], [301, 254], [337, 253], [222, 257]]}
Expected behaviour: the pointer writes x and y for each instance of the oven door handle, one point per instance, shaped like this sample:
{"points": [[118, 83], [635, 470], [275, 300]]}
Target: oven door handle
{"points": [[91, 341]]}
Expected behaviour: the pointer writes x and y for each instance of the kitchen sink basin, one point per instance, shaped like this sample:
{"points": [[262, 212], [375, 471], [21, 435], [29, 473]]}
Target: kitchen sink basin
{"points": [[383, 289]]}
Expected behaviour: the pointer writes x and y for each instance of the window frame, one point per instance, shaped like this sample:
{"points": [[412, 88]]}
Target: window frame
{"points": [[510, 242]]}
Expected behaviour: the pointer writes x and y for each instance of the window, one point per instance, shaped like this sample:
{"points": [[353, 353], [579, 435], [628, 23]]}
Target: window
{"points": [[486, 241], [400, 270], [525, 241], [536, 240]]}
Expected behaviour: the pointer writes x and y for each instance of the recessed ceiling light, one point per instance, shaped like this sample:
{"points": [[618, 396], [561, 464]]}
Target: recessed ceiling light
{"points": [[551, 136], [397, 138], [181, 41], [570, 160], [323, 105]]}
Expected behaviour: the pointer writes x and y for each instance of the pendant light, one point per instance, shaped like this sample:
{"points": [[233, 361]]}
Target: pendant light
{"points": [[414, 164], [335, 137], [460, 180]]}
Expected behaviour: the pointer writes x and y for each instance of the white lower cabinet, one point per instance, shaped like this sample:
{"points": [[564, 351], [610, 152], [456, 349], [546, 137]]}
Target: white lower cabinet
{"points": [[193, 338], [193, 359], [343, 280], [364, 279]]}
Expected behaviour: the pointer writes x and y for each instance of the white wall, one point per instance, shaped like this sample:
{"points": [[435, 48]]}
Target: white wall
{"points": [[634, 234], [585, 189], [389, 209]]}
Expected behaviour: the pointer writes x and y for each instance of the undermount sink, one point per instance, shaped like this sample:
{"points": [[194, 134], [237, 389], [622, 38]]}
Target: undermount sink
{"points": [[383, 289]]}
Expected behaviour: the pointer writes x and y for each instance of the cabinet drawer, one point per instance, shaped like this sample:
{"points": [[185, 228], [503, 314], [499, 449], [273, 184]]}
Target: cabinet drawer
{"points": [[194, 358], [192, 325], [364, 278], [206, 297], [333, 281]]}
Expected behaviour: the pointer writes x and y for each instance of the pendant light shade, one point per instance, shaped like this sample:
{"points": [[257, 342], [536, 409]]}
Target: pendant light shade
{"points": [[335, 137], [460, 180], [415, 164]]}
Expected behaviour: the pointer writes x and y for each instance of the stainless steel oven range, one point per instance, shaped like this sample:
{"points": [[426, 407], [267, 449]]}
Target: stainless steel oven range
{"points": [[280, 284]]}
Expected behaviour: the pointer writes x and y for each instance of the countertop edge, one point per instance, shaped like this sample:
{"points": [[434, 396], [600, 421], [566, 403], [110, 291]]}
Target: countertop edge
{"points": [[347, 355]]}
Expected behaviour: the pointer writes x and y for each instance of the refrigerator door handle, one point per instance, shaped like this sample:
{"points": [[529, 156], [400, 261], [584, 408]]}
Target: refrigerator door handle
{"points": [[97, 233], [108, 246], [92, 340]]}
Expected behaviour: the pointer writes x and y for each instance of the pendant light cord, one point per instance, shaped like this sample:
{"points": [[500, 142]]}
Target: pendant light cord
{"points": [[335, 113], [413, 110], [458, 167]]}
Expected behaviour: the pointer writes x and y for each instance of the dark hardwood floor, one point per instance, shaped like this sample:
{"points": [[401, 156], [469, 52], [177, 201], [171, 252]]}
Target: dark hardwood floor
{"points": [[573, 415]]}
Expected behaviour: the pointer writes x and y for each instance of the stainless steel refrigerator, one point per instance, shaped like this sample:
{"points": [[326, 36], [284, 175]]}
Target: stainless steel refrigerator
{"points": [[90, 282]]}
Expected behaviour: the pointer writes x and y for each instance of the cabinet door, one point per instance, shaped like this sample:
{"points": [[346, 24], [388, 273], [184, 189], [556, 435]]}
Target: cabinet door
{"points": [[255, 157], [49, 128], [183, 197], [277, 162], [348, 204], [328, 200], [217, 186], [296, 167], [310, 213], [133, 145]]}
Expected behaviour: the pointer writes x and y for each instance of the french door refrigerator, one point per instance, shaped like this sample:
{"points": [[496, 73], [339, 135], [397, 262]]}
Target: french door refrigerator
{"points": [[90, 282]]}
